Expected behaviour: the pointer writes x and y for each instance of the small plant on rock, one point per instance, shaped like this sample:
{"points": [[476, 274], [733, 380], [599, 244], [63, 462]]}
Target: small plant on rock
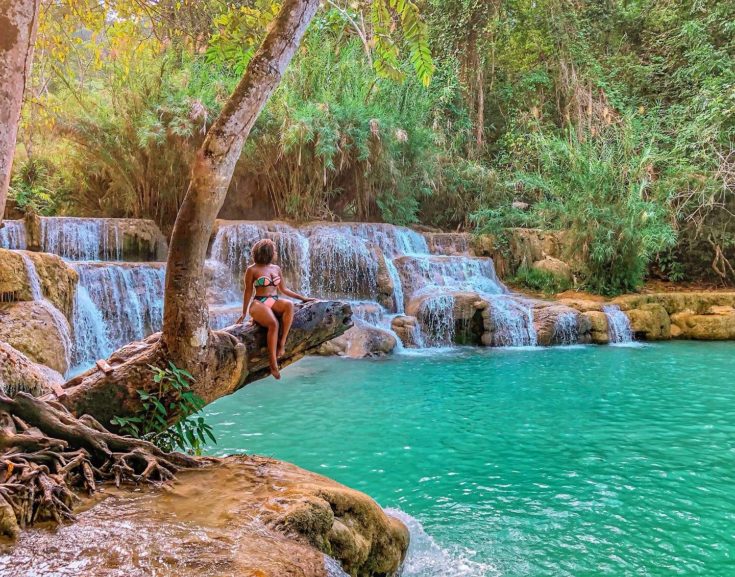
{"points": [[173, 397]]}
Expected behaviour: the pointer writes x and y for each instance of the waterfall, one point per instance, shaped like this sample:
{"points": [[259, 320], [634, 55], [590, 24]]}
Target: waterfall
{"points": [[397, 285], [512, 323], [422, 272], [58, 319], [565, 329], [128, 298], [618, 324], [82, 238], [234, 241], [436, 315], [90, 333], [342, 264], [34, 282], [13, 235]]}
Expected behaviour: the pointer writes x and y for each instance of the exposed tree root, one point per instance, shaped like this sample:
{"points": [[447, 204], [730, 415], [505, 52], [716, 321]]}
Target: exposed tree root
{"points": [[48, 456]]}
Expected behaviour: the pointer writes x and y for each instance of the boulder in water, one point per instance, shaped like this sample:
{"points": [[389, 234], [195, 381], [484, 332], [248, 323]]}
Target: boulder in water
{"points": [[361, 341], [407, 329], [650, 322], [557, 324], [597, 319], [37, 330]]}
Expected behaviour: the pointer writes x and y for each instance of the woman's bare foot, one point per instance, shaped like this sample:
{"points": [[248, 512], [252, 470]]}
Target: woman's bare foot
{"points": [[275, 372], [281, 351]]}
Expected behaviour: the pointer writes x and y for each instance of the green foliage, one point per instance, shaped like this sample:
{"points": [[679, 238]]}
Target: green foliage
{"points": [[35, 187], [602, 190], [173, 400], [539, 280]]}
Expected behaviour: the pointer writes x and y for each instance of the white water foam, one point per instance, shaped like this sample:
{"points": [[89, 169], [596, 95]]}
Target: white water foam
{"points": [[565, 329], [129, 300], [13, 235], [426, 558], [618, 325], [82, 238]]}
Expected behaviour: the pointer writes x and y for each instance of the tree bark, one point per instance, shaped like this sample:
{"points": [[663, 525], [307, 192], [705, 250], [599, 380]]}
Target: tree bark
{"points": [[186, 334], [239, 355], [18, 27]]}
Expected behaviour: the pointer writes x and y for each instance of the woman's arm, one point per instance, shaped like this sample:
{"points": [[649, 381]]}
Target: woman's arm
{"points": [[283, 289], [248, 297]]}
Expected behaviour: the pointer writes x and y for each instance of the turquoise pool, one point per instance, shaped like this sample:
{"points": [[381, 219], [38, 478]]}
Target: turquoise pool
{"points": [[575, 461]]}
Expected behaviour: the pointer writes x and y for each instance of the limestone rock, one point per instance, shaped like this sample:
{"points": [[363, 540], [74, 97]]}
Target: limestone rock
{"points": [[598, 326], [554, 266], [39, 331], [406, 327], [386, 295], [719, 325], [19, 373], [361, 341], [250, 516], [57, 279], [650, 321], [557, 324]]}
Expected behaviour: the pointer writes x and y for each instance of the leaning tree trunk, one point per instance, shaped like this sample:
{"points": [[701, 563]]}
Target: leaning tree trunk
{"points": [[239, 355], [186, 333], [18, 26]]}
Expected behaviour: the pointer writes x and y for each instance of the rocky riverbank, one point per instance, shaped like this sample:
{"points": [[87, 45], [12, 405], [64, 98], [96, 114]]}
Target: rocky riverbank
{"points": [[249, 516]]}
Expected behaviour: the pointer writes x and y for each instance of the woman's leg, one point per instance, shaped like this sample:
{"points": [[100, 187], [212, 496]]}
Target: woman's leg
{"points": [[265, 318], [284, 308]]}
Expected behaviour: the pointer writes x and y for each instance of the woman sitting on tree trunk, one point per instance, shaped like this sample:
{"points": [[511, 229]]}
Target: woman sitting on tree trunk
{"points": [[264, 279]]}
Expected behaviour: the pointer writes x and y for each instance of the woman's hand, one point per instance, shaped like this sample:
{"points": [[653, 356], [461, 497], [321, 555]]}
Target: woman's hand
{"points": [[242, 319], [308, 300]]}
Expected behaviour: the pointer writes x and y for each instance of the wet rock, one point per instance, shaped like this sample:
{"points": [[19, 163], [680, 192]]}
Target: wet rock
{"points": [[449, 243], [57, 279], [598, 326], [717, 325], [19, 373], [557, 324], [359, 342], [250, 516], [406, 327], [650, 322], [448, 317], [39, 331]]}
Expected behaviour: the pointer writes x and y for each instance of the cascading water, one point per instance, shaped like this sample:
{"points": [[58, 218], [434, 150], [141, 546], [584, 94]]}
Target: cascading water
{"points": [[395, 278], [342, 264], [82, 239], [565, 329], [128, 298], [512, 323], [233, 242], [118, 303], [13, 235], [618, 325], [58, 319], [436, 317]]}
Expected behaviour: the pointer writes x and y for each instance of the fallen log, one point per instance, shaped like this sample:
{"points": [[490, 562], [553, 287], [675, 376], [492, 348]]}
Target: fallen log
{"points": [[236, 356]]}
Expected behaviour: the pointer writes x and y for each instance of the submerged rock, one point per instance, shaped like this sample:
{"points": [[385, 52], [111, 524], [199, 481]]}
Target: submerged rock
{"points": [[359, 342], [249, 516]]}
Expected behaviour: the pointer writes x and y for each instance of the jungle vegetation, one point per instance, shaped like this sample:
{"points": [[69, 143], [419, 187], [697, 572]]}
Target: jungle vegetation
{"points": [[614, 120]]}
